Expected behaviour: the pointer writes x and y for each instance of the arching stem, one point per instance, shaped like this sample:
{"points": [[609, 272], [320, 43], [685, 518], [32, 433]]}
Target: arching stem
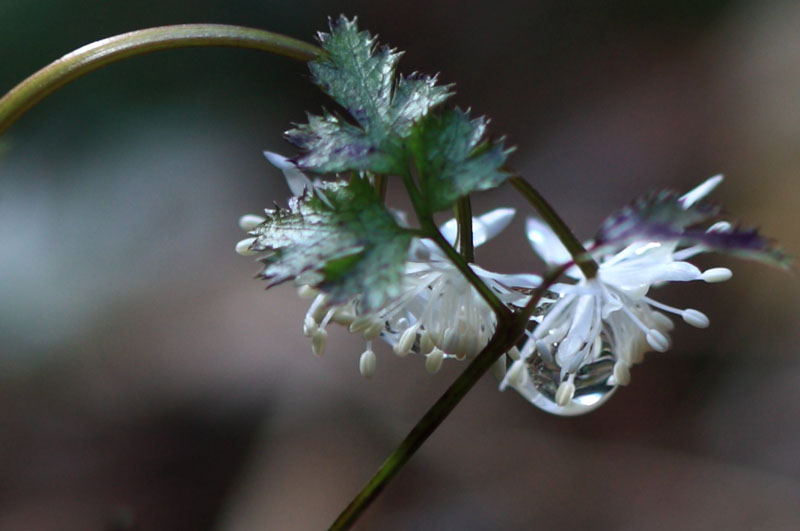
{"points": [[97, 54]]}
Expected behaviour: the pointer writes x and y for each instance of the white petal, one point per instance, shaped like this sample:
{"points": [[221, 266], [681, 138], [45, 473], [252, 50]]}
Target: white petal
{"points": [[491, 224], [520, 280], [484, 227], [622, 373], [636, 277], [546, 243], [699, 192], [296, 179]]}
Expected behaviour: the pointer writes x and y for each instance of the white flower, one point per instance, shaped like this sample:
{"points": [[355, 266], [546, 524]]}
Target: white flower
{"points": [[438, 314], [592, 331]]}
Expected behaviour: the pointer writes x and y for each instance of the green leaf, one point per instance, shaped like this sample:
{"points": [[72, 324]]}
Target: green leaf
{"points": [[340, 238], [360, 76], [452, 160]]}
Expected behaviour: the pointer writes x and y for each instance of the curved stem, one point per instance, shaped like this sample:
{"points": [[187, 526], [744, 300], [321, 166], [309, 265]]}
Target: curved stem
{"points": [[92, 56], [506, 336], [582, 258]]}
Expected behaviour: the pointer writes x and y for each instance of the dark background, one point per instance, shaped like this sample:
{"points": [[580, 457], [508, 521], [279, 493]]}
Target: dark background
{"points": [[147, 382]]}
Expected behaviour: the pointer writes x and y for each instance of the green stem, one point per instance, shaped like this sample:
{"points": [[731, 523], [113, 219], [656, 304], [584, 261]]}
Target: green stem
{"points": [[464, 219], [582, 258], [380, 183], [93, 56], [505, 336], [431, 231]]}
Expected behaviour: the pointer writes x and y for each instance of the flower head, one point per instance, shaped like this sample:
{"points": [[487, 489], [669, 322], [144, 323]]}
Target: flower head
{"points": [[591, 331]]}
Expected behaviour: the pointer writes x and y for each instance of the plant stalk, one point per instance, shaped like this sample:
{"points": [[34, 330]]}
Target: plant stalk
{"points": [[103, 52], [576, 249], [505, 336], [464, 218]]}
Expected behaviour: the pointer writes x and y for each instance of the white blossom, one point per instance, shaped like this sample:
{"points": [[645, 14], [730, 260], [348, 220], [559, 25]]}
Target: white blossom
{"points": [[438, 314], [590, 332]]}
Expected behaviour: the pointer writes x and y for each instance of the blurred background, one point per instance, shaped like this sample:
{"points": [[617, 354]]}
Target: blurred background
{"points": [[148, 382]]}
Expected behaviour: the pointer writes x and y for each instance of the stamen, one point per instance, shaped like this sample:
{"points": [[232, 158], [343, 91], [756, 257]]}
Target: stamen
{"points": [[361, 324], [243, 247], [318, 340], [373, 331], [307, 292], [433, 361], [309, 326], [695, 318], [717, 274], [565, 391], [426, 342], [406, 341], [657, 340], [367, 362], [250, 221]]}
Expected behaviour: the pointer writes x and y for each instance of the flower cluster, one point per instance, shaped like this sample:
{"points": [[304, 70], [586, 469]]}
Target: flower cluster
{"points": [[438, 314], [586, 333]]}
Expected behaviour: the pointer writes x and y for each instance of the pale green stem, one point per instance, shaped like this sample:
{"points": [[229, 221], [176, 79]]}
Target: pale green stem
{"points": [[97, 54]]}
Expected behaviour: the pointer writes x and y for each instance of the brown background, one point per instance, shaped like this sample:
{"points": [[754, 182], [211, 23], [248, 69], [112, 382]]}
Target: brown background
{"points": [[147, 382]]}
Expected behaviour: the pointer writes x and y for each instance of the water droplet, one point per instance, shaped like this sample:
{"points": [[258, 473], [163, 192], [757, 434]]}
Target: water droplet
{"points": [[591, 385]]}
